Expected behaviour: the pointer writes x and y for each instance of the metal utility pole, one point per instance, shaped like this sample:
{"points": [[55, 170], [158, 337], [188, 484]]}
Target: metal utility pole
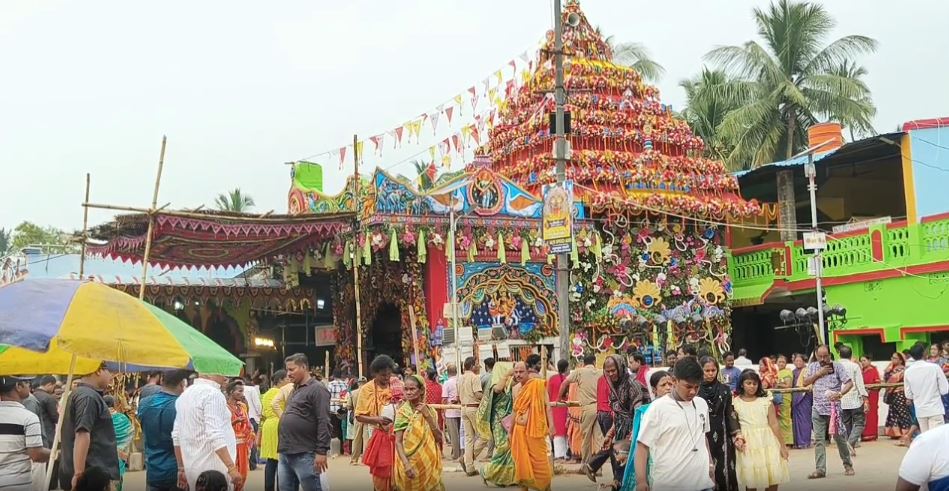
{"points": [[810, 170], [560, 156]]}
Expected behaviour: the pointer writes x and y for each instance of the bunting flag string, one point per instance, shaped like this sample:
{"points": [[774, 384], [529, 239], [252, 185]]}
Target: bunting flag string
{"points": [[495, 89]]}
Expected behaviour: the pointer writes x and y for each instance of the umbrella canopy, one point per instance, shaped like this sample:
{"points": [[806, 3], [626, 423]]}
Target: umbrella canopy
{"points": [[96, 322]]}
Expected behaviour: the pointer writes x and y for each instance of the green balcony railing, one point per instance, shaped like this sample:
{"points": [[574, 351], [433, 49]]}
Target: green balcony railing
{"points": [[755, 269]]}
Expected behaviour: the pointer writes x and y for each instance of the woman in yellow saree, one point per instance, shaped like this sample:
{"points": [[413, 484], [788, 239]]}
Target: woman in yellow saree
{"points": [[532, 427], [494, 418], [418, 466]]}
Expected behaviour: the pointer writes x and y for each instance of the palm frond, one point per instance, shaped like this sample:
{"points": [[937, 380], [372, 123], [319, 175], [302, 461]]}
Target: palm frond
{"points": [[637, 57]]}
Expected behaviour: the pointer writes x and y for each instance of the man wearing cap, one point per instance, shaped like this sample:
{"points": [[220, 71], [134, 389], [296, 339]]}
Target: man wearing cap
{"points": [[88, 433], [21, 437]]}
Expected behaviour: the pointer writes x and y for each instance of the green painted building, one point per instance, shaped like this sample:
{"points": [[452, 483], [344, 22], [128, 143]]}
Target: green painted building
{"points": [[885, 203]]}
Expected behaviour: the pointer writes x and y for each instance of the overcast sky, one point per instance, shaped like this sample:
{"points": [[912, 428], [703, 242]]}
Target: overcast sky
{"points": [[241, 87]]}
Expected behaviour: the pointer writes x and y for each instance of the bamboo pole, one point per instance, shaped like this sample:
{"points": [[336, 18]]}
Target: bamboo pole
{"points": [[326, 364], [72, 362], [151, 221], [359, 353], [85, 230]]}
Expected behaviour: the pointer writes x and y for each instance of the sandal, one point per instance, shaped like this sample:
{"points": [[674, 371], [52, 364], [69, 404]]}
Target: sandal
{"points": [[587, 471], [848, 471], [817, 475]]}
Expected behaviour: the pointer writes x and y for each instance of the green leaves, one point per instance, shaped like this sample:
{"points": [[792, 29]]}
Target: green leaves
{"points": [[234, 201], [774, 88]]}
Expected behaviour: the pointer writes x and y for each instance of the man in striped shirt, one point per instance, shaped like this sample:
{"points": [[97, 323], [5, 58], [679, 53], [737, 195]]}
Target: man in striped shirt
{"points": [[21, 437]]}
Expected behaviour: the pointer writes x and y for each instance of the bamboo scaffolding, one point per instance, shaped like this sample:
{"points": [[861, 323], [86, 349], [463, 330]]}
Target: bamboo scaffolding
{"points": [[151, 220]]}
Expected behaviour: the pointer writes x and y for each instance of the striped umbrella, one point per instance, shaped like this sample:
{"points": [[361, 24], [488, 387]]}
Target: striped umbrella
{"points": [[62, 318]]}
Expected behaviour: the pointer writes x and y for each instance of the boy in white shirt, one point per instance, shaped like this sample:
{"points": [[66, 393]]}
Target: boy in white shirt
{"points": [[673, 437], [924, 385]]}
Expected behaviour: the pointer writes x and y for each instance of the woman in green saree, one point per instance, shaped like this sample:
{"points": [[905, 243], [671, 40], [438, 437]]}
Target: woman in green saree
{"points": [[124, 431], [494, 417]]}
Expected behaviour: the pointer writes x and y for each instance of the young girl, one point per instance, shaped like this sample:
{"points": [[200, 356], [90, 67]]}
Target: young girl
{"points": [[661, 383], [762, 459], [419, 462]]}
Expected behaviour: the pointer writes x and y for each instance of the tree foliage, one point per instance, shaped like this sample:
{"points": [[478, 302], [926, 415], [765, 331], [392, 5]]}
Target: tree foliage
{"points": [[788, 81], [635, 56], [30, 234], [234, 201]]}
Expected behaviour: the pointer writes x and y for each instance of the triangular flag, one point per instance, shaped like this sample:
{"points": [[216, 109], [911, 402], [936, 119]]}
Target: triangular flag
{"points": [[492, 95], [431, 152], [459, 101], [446, 160], [487, 83], [377, 143], [500, 76], [513, 67], [466, 133], [398, 134], [509, 90], [444, 147], [456, 139], [434, 118], [359, 147], [476, 135], [448, 112], [525, 57], [472, 91], [342, 155]]}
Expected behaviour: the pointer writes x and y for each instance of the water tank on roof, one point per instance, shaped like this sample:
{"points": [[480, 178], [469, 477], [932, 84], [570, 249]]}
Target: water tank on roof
{"points": [[829, 134]]}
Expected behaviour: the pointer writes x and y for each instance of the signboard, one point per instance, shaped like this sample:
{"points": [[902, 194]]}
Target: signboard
{"points": [[815, 241], [504, 351], [558, 217], [325, 335], [861, 225]]}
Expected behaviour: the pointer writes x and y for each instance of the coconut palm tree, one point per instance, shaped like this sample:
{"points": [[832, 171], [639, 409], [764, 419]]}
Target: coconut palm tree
{"points": [[707, 104], [635, 56], [789, 81], [234, 201]]}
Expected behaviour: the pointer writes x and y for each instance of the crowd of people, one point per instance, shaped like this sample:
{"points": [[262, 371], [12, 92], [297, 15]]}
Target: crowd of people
{"points": [[705, 423]]}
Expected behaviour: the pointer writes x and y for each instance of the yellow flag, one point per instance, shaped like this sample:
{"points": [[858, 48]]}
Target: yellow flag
{"points": [[431, 152], [500, 76], [459, 100]]}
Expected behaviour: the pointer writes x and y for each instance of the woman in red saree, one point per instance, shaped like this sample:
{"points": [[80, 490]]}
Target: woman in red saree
{"points": [[374, 408], [242, 428], [871, 376]]}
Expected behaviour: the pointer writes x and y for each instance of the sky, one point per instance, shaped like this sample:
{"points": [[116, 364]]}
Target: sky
{"points": [[242, 87]]}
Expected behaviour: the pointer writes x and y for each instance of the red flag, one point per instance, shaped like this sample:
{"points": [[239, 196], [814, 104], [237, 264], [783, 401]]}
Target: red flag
{"points": [[377, 143], [398, 134], [342, 156], [513, 67], [509, 91], [448, 111], [475, 134], [456, 139]]}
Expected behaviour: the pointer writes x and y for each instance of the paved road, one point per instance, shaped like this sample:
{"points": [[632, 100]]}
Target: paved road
{"points": [[876, 465]]}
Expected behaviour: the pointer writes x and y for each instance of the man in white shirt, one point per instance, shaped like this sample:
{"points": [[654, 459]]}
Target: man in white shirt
{"points": [[672, 437], [853, 403], [203, 436], [924, 385], [21, 437], [742, 361], [926, 463]]}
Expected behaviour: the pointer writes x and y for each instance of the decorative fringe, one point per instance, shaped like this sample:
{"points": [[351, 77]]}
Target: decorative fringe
{"points": [[329, 260], [307, 263], [502, 253], [574, 252], [393, 246], [347, 254], [525, 252], [422, 247]]}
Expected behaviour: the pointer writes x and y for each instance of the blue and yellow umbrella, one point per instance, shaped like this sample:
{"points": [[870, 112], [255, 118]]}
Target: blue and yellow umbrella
{"points": [[45, 322]]}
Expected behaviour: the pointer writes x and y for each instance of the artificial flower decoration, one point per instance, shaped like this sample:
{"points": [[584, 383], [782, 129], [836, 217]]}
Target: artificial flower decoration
{"points": [[646, 294], [711, 291], [660, 252]]}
